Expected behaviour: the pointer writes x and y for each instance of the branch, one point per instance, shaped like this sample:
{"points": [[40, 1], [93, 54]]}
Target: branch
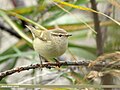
{"points": [[53, 65], [97, 29], [47, 65]]}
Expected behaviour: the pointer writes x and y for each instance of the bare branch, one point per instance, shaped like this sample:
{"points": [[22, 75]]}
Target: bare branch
{"points": [[53, 65], [97, 29], [45, 65]]}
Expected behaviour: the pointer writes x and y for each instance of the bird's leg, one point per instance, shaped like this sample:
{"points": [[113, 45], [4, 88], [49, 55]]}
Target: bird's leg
{"points": [[41, 62], [57, 61], [40, 57]]}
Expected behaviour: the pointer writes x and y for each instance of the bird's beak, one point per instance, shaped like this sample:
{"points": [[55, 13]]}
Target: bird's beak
{"points": [[69, 35]]}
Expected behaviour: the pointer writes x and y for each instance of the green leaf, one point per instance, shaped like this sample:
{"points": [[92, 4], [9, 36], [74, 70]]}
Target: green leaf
{"points": [[12, 24], [89, 49], [9, 64], [82, 53], [23, 54]]}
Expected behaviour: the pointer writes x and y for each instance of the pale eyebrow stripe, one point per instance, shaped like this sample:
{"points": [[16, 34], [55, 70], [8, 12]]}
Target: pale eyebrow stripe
{"points": [[57, 34]]}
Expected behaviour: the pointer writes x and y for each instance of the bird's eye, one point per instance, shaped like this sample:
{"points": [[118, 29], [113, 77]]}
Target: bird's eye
{"points": [[60, 35]]}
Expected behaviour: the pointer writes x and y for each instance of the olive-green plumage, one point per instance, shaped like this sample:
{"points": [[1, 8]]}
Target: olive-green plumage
{"points": [[50, 43]]}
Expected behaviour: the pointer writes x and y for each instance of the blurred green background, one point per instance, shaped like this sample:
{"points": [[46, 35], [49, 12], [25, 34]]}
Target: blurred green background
{"points": [[16, 40]]}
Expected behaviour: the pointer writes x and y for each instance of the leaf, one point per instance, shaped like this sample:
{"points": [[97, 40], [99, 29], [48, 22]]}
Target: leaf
{"points": [[2, 12], [60, 12], [86, 48], [23, 54], [82, 53], [112, 42], [10, 64], [11, 23], [78, 77], [86, 9]]}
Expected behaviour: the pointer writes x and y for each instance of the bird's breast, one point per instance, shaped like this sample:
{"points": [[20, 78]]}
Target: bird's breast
{"points": [[52, 48]]}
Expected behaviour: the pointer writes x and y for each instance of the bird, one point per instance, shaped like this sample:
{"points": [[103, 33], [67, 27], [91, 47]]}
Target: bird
{"points": [[49, 43]]}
